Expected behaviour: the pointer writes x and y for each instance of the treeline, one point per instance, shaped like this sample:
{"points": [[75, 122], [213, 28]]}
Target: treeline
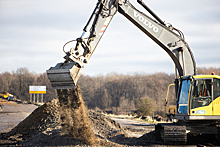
{"points": [[18, 82], [208, 71], [112, 92], [123, 93]]}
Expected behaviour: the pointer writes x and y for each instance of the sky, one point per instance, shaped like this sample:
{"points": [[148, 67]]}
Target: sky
{"points": [[33, 32]]}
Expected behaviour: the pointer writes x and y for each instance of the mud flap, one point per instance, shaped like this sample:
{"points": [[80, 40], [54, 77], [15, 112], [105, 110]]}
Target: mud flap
{"points": [[64, 75]]}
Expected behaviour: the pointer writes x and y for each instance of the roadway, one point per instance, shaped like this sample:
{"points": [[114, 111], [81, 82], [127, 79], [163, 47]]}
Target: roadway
{"points": [[12, 113]]}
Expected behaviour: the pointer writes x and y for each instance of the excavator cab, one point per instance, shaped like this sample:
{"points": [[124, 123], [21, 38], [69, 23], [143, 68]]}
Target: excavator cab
{"points": [[198, 96], [205, 96]]}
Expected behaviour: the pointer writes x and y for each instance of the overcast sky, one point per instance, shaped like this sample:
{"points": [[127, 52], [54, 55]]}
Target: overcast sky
{"points": [[33, 32]]}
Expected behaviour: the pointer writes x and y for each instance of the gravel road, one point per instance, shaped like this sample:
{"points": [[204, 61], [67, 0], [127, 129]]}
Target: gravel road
{"points": [[135, 128], [12, 113]]}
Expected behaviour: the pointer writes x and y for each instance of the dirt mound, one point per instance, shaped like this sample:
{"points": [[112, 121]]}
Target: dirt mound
{"points": [[63, 123], [103, 126], [43, 121], [148, 138], [46, 116]]}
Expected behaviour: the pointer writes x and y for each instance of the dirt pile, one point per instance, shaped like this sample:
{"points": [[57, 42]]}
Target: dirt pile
{"points": [[103, 126], [74, 120], [63, 123], [46, 116], [42, 122]]}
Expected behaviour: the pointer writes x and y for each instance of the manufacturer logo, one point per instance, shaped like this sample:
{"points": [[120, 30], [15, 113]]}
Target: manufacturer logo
{"points": [[146, 22], [201, 112]]}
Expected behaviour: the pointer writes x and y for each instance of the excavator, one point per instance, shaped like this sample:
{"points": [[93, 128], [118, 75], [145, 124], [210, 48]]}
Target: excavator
{"points": [[197, 96], [7, 95]]}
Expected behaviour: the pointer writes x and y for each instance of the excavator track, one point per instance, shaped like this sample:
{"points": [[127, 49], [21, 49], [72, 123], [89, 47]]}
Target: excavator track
{"points": [[175, 135], [171, 133]]}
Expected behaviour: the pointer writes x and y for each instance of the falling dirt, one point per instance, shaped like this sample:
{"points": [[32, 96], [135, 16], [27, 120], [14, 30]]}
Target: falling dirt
{"points": [[74, 120]]}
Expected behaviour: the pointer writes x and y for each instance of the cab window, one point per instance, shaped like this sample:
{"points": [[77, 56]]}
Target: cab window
{"points": [[202, 93], [216, 88]]}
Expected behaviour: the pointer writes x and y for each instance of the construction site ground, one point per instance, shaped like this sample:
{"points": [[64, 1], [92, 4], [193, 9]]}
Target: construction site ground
{"points": [[31, 125]]}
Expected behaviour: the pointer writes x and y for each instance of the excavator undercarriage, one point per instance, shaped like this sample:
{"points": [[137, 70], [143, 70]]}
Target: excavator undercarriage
{"points": [[171, 133], [176, 133]]}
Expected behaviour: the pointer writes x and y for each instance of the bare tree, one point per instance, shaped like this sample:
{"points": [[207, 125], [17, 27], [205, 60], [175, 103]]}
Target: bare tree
{"points": [[126, 105], [5, 81], [20, 85], [106, 101]]}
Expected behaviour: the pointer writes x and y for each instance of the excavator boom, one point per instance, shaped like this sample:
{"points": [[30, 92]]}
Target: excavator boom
{"points": [[65, 75]]}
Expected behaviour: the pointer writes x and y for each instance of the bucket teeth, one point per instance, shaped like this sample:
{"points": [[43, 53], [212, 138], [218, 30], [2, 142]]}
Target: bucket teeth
{"points": [[64, 75]]}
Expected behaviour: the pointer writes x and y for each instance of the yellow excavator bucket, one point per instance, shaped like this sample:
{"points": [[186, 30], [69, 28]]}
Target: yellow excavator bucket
{"points": [[64, 75]]}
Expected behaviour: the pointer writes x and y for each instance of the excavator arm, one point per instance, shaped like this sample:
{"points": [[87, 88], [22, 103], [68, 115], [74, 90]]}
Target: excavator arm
{"points": [[65, 75]]}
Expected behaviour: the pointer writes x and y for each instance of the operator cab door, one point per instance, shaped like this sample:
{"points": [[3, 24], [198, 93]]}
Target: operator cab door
{"points": [[184, 97], [216, 96], [201, 103]]}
